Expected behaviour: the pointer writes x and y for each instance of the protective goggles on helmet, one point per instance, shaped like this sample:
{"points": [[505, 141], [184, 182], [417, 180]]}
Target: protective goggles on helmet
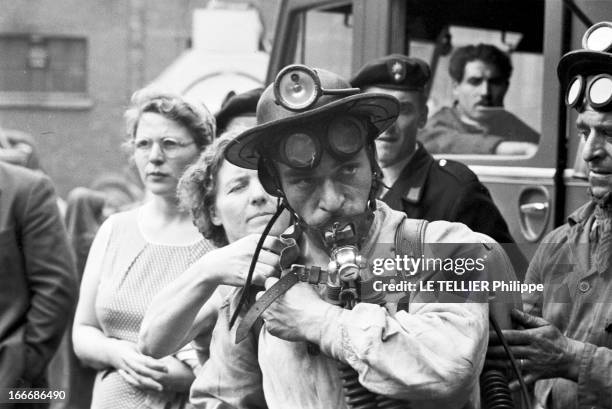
{"points": [[598, 92], [298, 87], [599, 89], [342, 138]]}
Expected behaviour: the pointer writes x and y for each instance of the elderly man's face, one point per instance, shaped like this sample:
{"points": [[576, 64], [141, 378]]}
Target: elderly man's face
{"points": [[481, 87], [333, 189], [596, 129]]}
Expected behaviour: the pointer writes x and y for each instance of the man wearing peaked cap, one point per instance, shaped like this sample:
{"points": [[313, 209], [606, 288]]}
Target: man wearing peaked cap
{"points": [[328, 341], [566, 344], [415, 183]]}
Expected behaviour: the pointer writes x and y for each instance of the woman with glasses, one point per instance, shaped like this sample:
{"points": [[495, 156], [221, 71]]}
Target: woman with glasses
{"points": [[136, 254]]}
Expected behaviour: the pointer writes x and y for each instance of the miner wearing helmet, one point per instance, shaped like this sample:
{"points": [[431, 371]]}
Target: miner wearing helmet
{"points": [[566, 346], [331, 336]]}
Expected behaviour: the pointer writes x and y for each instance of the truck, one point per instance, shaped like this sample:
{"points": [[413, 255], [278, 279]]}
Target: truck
{"points": [[534, 193]]}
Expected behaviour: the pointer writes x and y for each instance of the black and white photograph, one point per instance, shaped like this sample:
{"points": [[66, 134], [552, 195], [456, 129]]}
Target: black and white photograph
{"points": [[306, 204]]}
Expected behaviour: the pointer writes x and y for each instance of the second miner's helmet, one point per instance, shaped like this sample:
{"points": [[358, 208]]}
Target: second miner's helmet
{"points": [[305, 112], [593, 62]]}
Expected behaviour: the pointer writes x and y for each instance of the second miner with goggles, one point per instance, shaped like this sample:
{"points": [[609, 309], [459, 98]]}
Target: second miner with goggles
{"points": [[589, 84]]}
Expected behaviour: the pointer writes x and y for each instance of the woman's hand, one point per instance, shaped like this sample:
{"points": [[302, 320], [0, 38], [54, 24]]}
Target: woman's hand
{"points": [[184, 307], [139, 370], [179, 376], [230, 264]]}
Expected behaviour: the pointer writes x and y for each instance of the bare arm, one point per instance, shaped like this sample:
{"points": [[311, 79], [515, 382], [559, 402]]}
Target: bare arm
{"points": [[179, 312], [91, 345], [189, 304]]}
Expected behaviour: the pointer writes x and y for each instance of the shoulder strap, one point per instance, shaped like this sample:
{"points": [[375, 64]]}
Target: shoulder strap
{"points": [[409, 237], [119, 258]]}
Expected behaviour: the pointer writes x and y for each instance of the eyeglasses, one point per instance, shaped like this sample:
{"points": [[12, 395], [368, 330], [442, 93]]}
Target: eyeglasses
{"points": [[598, 90], [298, 87], [169, 146], [302, 149]]}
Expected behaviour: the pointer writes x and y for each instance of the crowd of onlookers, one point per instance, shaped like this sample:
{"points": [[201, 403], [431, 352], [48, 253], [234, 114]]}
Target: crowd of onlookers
{"points": [[164, 266]]}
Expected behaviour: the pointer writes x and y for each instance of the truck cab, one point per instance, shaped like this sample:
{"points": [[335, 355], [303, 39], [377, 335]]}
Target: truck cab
{"points": [[535, 193]]}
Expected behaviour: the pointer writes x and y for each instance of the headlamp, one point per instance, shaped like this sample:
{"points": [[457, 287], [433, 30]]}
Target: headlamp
{"points": [[598, 37], [598, 90], [298, 87], [343, 137]]}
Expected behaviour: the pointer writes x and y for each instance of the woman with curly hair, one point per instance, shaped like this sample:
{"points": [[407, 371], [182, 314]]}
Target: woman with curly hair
{"points": [[137, 253], [230, 208]]}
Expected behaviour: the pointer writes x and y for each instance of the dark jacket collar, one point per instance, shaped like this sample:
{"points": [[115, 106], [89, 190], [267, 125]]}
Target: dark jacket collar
{"points": [[410, 184]]}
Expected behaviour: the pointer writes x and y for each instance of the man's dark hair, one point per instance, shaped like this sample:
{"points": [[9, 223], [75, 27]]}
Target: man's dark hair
{"points": [[483, 52]]}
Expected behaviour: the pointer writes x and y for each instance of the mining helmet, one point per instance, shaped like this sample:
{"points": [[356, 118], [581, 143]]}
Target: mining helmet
{"points": [[593, 62], [307, 111]]}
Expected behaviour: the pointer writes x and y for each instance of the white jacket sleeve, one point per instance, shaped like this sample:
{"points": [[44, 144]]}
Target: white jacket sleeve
{"points": [[436, 350]]}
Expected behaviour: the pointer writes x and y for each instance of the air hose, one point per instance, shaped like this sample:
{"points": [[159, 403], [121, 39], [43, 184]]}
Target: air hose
{"points": [[494, 389], [357, 396]]}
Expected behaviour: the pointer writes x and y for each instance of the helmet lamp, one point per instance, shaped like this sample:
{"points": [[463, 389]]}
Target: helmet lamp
{"points": [[298, 87]]}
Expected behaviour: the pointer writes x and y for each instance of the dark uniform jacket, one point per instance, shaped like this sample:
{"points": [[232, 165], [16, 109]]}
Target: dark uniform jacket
{"points": [[448, 190], [37, 277]]}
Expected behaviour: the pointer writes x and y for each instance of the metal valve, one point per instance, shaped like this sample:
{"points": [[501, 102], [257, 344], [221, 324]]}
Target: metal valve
{"points": [[346, 263]]}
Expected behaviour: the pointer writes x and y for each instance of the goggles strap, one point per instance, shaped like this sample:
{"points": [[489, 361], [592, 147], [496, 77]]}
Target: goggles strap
{"points": [[376, 176]]}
